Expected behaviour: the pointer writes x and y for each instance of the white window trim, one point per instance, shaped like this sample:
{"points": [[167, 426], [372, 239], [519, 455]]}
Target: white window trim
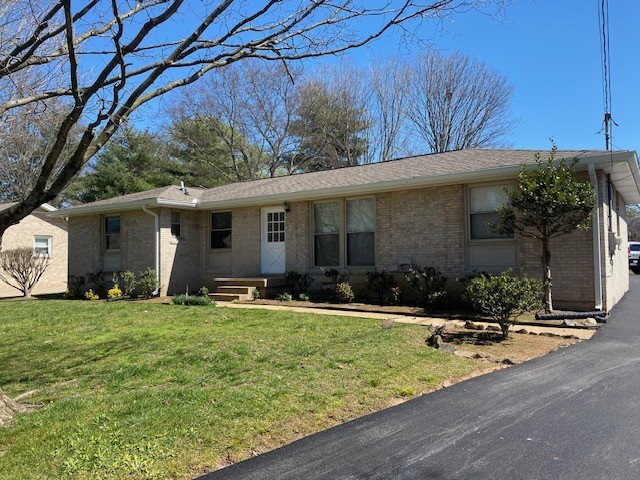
{"points": [[342, 218], [49, 239]]}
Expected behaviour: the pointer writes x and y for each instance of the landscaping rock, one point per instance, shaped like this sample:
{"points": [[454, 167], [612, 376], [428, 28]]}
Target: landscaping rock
{"points": [[450, 326], [435, 341], [522, 331], [435, 326], [388, 323], [591, 322], [533, 333], [447, 347], [464, 353], [493, 328], [508, 361], [572, 337], [569, 323], [472, 326], [548, 334]]}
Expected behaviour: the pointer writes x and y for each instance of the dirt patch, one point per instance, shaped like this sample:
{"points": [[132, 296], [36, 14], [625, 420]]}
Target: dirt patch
{"points": [[454, 313], [490, 346]]}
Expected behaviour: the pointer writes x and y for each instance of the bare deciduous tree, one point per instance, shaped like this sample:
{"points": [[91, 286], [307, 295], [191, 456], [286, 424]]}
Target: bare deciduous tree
{"points": [[245, 110], [104, 59], [21, 268], [388, 84], [457, 102]]}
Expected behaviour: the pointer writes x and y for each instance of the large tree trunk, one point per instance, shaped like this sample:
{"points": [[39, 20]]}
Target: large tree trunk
{"points": [[546, 275], [8, 408]]}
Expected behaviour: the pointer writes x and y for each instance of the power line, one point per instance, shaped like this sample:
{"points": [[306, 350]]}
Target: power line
{"points": [[605, 56]]}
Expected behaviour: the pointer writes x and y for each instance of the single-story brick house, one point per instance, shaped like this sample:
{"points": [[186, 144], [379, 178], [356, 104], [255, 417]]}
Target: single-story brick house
{"points": [[46, 235], [424, 210]]}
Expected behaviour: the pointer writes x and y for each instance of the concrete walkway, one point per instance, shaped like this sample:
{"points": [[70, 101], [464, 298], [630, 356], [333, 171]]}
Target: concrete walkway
{"points": [[572, 414], [582, 333]]}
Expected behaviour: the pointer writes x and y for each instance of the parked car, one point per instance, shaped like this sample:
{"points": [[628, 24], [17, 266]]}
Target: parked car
{"points": [[634, 257]]}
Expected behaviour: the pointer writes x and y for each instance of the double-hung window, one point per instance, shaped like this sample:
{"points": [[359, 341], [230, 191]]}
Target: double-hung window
{"points": [[361, 223], [42, 245], [484, 202], [344, 233], [175, 224], [112, 232], [220, 230], [326, 238]]}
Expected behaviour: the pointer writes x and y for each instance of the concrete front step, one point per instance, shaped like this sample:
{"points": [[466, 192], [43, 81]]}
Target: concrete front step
{"points": [[230, 297], [236, 289], [257, 282]]}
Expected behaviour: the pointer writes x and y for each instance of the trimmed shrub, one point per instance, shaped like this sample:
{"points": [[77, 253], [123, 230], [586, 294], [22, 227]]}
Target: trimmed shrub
{"points": [[336, 276], [504, 297], [429, 282], [127, 281], [77, 284], [203, 292], [285, 297], [199, 300], [114, 292], [97, 280], [344, 292], [304, 297], [148, 282], [299, 282], [381, 283], [90, 295]]}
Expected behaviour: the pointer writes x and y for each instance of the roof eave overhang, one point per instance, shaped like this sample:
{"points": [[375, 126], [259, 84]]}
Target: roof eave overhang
{"points": [[118, 207], [622, 165], [626, 158]]}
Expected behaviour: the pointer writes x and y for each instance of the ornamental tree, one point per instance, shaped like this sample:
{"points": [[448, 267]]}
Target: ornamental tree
{"points": [[21, 268], [549, 202]]}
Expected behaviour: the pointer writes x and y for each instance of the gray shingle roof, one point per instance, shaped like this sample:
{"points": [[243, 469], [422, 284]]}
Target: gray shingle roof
{"points": [[170, 193], [460, 161]]}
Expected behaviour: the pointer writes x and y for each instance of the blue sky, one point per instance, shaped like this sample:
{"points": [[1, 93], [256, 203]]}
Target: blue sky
{"points": [[550, 51]]}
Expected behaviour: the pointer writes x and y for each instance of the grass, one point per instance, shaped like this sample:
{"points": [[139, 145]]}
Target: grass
{"points": [[141, 390]]}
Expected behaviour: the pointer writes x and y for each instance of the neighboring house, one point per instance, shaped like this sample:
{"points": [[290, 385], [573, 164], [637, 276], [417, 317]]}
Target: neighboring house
{"points": [[425, 210], [47, 236]]}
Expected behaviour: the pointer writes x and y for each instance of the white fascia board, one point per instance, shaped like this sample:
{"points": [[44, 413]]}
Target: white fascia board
{"points": [[48, 208]]}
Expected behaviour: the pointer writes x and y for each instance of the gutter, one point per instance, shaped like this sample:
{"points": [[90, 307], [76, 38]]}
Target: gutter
{"points": [[156, 250], [595, 227]]}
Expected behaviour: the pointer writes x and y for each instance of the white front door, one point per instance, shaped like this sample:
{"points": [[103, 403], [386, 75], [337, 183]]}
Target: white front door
{"points": [[273, 240]]}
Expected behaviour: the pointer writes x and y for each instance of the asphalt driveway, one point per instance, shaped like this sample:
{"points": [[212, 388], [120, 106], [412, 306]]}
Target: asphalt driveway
{"points": [[573, 414]]}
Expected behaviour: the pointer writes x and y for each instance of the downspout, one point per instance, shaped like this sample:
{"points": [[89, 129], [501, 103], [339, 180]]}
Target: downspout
{"points": [[595, 227], [156, 250]]}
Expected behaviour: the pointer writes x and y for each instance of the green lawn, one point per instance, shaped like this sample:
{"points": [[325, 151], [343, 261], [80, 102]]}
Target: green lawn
{"points": [[141, 390]]}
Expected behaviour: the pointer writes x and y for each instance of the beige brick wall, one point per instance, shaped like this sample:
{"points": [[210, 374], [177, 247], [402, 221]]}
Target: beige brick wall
{"points": [[54, 280], [298, 237], [423, 226], [244, 256], [137, 240], [615, 259], [85, 243], [180, 256]]}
